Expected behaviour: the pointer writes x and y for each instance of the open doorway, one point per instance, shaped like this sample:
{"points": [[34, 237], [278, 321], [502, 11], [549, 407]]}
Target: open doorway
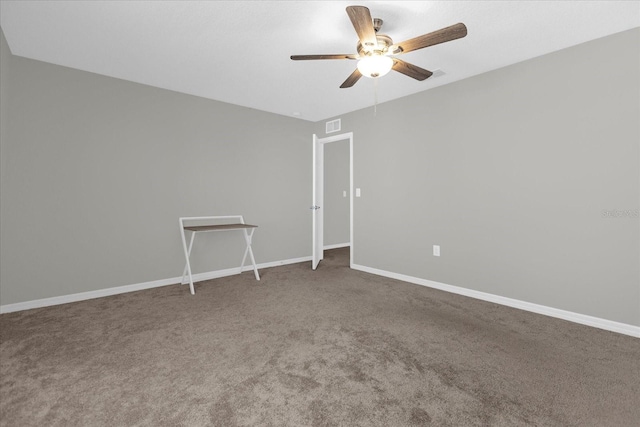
{"points": [[336, 195], [320, 154]]}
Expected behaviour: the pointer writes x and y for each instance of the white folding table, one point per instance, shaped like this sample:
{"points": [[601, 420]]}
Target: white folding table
{"points": [[247, 230]]}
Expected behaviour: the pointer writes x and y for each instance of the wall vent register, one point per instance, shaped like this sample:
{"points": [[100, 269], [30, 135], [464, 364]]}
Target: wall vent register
{"points": [[333, 126]]}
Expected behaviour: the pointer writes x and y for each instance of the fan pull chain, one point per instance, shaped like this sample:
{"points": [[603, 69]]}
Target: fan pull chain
{"points": [[375, 97]]}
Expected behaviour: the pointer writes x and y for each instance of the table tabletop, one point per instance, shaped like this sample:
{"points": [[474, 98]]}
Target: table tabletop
{"points": [[218, 227]]}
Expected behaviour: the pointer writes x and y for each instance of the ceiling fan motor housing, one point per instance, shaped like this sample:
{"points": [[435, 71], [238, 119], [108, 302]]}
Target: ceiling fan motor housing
{"points": [[384, 42]]}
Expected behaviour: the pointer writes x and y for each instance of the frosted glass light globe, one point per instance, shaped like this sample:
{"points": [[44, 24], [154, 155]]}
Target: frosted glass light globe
{"points": [[375, 66]]}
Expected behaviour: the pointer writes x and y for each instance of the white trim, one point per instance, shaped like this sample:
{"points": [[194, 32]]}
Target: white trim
{"points": [[215, 274], [596, 322], [65, 299], [336, 138], [336, 246]]}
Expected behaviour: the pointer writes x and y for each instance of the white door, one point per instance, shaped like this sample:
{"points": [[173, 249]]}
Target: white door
{"points": [[318, 197]]}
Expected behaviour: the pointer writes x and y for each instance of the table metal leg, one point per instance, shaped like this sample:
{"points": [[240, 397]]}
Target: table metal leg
{"points": [[186, 256], [184, 273], [247, 236]]}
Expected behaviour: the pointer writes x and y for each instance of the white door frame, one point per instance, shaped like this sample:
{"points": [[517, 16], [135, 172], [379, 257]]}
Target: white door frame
{"points": [[318, 196]]}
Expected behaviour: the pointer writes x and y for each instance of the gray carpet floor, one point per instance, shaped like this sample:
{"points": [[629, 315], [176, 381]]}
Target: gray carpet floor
{"points": [[334, 347]]}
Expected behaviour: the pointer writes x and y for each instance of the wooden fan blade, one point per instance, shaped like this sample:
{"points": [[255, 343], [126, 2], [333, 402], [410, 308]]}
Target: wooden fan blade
{"points": [[443, 35], [351, 80], [306, 57], [411, 70], [363, 24]]}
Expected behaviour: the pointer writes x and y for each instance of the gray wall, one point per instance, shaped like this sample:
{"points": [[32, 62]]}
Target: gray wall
{"points": [[510, 172], [336, 180], [96, 172], [5, 57]]}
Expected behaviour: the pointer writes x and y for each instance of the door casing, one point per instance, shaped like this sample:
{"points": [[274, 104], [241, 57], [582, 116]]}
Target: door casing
{"points": [[318, 196]]}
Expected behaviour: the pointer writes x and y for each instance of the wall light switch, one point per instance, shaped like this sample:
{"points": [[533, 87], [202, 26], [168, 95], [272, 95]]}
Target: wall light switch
{"points": [[357, 192], [436, 250], [344, 193]]}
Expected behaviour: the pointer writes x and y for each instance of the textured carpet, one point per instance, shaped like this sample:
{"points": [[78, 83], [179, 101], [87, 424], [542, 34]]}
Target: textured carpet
{"points": [[331, 347]]}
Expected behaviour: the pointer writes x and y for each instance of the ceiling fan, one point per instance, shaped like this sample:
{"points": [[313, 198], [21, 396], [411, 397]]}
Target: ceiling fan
{"points": [[376, 51]]}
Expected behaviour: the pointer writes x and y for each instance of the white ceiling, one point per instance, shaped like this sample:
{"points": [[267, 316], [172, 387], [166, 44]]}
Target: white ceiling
{"points": [[238, 51]]}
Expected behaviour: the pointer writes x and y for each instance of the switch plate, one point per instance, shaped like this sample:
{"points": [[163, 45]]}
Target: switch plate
{"points": [[344, 193], [357, 192], [436, 250]]}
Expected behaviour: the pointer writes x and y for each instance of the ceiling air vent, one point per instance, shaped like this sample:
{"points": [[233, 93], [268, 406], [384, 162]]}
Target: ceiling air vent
{"points": [[332, 126]]}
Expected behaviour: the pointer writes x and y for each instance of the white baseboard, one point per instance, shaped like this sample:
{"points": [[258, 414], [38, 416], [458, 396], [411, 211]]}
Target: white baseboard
{"points": [[583, 319], [216, 274], [64, 299], [609, 325], [336, 246]]}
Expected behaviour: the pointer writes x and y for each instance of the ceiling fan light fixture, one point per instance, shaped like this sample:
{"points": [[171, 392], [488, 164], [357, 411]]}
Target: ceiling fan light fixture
{"points": [[376, 52], [375, 65]]}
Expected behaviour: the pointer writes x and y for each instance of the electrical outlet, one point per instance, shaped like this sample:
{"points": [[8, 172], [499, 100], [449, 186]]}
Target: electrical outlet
{"points": [[436, 250]]}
